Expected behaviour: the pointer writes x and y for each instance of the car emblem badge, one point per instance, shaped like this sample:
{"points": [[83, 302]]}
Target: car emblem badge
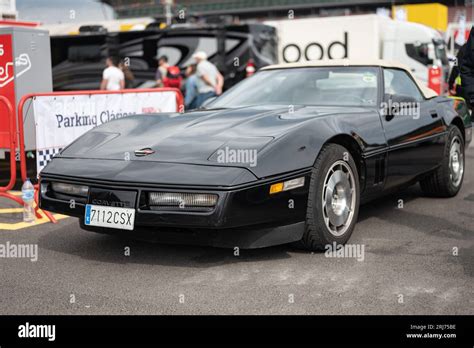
{"points": [[144, 152]]}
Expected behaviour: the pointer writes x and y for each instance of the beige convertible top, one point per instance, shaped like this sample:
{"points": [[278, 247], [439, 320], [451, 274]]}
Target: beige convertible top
{"points": [[427, 92]]}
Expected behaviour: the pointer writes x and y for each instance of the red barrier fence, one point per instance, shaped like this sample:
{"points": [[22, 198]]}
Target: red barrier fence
{"points": [[20, 134], [12, 134]]}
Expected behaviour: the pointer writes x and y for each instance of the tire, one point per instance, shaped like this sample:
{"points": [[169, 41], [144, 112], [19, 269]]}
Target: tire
{"points": [[446, 180], [328, 172]]}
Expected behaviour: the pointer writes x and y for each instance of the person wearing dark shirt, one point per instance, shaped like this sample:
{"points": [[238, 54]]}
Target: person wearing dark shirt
{"points": [[466, 67], [454, 81]]}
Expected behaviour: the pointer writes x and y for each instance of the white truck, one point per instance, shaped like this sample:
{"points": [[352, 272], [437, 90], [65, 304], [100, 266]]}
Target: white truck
{"points": [[361, 37]]}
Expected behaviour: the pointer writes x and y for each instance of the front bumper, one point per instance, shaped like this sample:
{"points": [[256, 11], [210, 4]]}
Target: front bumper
{"points": [[245, 216]]}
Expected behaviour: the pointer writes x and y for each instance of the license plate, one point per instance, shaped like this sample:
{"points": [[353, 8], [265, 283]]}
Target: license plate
{"points": [[111, 217]]}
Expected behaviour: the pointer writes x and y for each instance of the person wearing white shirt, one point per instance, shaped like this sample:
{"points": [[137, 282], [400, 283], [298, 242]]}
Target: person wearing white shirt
{"points": [[210, 81], [113, 78]]}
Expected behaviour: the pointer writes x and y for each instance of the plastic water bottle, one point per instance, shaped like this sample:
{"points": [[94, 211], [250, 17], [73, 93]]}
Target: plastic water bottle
{"points": [[28, 195]]}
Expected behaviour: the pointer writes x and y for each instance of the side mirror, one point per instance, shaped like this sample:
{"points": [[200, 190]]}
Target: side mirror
{"points": [[452, 59]]}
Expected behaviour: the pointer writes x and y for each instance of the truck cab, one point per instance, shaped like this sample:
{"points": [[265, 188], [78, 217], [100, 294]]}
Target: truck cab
{"points": [[419, 47]]}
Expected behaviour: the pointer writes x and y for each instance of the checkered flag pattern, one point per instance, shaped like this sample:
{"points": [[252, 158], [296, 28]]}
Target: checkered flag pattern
{"points": [[45, 155]]}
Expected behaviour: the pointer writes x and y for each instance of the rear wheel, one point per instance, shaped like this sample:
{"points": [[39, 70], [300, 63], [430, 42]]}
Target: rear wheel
{"points": [[447, 179], [333, 200]]}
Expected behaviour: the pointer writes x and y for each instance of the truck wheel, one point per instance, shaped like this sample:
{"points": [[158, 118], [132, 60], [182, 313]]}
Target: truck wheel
{"points": [[447, 179], [333, 199]]}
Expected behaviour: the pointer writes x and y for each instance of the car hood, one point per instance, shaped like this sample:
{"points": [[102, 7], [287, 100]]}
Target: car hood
{"points": [[195, 137]]}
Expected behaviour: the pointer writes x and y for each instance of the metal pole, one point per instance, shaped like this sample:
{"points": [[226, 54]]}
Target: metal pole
{"points": [[168, 12]]}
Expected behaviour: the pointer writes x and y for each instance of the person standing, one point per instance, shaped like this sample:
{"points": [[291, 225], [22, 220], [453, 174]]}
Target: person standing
{"points": [[466, 67], [113, 78], [162, 71], [128, 74], [210, 80], [454, 81], [190, 87]]}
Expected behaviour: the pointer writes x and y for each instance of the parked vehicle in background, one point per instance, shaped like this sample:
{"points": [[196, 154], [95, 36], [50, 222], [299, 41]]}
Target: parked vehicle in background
{"points": [[78, 60], [116, 25], [417, 46]]}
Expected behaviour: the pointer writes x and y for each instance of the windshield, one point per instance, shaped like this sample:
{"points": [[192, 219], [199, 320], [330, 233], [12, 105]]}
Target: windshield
{"points": [[354, 86]]}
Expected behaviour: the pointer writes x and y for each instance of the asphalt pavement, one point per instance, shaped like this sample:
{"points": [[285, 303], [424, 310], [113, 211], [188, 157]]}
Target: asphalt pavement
{"points": [[418, 259]]}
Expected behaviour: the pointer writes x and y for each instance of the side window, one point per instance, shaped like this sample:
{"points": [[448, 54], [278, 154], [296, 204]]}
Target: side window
{"points": [[419, 52], [398, 82]]}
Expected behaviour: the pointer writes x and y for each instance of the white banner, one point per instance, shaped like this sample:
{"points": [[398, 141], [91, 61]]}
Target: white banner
{"points": [[7, 7], [60, 120]]}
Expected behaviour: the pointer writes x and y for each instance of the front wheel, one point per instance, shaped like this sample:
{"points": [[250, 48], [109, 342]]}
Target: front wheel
{"points": [[333, 199]]}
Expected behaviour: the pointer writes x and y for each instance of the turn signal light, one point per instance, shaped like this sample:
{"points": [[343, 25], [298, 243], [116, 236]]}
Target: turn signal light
{"points": [[275, 188], [287, 185]]}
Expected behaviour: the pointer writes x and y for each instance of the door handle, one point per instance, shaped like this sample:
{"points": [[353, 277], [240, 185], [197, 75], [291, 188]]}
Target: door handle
{"points": [[434, 114]]}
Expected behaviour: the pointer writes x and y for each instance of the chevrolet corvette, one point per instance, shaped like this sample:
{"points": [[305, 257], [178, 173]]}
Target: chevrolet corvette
{"points": [[286, 156]]}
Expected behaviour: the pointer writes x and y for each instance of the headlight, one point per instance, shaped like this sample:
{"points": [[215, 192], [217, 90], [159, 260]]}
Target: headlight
{"points": [[70, 189], [182, 200]]}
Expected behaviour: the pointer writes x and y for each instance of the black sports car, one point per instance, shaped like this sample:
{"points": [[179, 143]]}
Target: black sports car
{"points": [[285, 156]]}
